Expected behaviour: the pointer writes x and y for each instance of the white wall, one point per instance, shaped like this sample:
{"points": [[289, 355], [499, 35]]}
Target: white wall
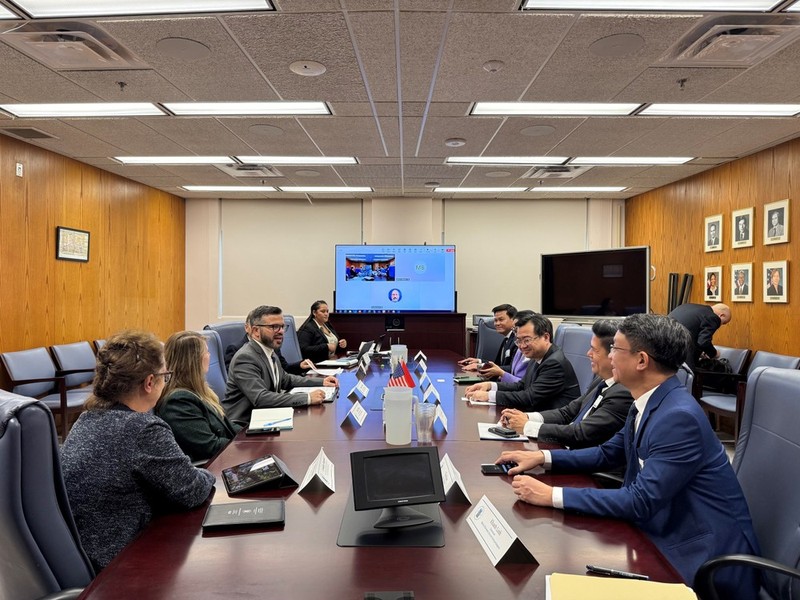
{"points": [[242, 253]]}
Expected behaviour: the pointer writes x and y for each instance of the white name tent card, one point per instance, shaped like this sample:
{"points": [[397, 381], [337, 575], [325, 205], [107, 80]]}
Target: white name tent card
{"points": [[452, 481], [495, 536], [359, 391], [420, 356], [358, 413], [431, 391], [320, 471], [441, 417]]}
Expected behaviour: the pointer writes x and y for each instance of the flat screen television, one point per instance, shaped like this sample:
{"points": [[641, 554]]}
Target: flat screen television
{"points": [[395, 479], [395, 278], [596, 283]]}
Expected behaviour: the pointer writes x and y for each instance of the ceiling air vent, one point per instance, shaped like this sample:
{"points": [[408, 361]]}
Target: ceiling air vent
{"points": [[734, 41], [556, 172], [27, 133], [71, 46], [249, 171]]}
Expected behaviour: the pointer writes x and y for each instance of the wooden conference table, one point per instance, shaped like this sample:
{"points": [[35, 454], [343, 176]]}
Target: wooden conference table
{"points": [[173, 559]]}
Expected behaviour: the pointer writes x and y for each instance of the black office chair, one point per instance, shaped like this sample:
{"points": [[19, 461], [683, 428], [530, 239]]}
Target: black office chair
{"points": [[489, 341], [40, 555], [767, 464]]}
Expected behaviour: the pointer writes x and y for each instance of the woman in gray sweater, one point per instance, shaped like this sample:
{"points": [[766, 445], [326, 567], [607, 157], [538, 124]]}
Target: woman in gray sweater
{"points": [[121, 463]]}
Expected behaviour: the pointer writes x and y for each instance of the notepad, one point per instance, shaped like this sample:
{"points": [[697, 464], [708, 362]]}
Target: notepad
{"points": [[266, 418], [561, 586], [330, 392]]}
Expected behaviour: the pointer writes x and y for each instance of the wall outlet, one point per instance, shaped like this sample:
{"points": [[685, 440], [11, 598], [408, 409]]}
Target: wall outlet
{"points": [[19, 169]]}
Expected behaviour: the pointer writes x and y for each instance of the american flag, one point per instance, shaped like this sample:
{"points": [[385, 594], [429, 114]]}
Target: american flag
{"points": [[400, 377]]}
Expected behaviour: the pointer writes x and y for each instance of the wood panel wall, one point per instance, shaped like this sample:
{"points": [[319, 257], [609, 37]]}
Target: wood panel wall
{"points": [[135, 274], [671, 221]]}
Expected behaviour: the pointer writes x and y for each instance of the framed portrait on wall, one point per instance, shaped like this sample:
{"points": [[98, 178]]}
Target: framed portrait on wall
{"points": [[742, 228], [713, 233], [776, 222], [741, 282], [713, 284], [776, 281]]}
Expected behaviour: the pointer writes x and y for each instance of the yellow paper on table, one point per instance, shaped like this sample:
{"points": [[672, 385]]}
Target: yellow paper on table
{"points": [[582, 587]]}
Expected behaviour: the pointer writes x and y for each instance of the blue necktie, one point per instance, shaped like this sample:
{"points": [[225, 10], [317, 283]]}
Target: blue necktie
{"points": [[630, 451]]}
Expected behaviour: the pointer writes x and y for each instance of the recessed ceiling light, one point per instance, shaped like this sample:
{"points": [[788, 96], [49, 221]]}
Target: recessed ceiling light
{"points": [[195, 109], [173, 160], [182, 48], [630, 161], [480, 190], [299, 160], [654, 5], [586, 109], [324, 189], [83, 109], [721, 110], [307, 68], [228, 188], [579, 189], [431, 184], [506, 160], [41, 9], [537, 130], [455, 142]]}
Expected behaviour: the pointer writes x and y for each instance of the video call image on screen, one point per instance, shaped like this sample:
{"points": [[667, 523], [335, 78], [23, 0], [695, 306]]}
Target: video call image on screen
{"points": [[392, 278]]}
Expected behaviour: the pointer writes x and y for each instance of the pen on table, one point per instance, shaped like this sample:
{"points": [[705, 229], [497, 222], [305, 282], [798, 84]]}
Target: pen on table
{"points": [[615, 573], [273, 423]]}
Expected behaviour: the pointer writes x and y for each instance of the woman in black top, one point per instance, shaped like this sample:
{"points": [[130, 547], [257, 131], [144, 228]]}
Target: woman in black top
{"points": [[318, 340]]}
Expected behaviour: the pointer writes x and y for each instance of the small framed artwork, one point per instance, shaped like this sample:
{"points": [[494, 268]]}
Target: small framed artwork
{"points": [[776, 222], [742, 278], [72, 244], [713, 233], [776, 281], [742, 227], [713, 284]]}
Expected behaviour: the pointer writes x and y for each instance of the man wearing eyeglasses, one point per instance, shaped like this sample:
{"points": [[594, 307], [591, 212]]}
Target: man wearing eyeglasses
{"points": [[549, 380], [256, 378], [679, 487]]}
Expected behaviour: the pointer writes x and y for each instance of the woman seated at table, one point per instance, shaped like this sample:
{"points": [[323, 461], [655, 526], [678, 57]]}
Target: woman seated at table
{"points": [[121, 463], [318, 340], [188, 404]]}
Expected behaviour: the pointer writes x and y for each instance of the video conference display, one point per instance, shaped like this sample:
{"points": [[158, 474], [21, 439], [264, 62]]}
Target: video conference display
{"points": [[395, 278]]}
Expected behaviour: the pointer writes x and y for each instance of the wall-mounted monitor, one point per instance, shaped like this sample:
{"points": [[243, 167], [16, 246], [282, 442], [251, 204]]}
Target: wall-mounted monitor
{"points": [[395, 278], [596, 283], [394, 479]]}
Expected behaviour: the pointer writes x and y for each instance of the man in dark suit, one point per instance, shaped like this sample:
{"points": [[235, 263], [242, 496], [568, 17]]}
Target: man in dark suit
{"points": [[679, 487], [702, 322], [742, 229], [741, 288], [549, 380], [504, 315], [256, 378], [586, 421], [713, 238]]}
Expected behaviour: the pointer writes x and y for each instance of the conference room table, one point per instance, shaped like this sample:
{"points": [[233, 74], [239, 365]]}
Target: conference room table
{"points": [[174, 559]]}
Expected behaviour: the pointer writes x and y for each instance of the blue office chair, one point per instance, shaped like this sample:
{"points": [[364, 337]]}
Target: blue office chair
{"points": [[32, 373], [230, 333], [731, 405], [77, 361], [290, 349], [99, 344], [767, 464], [41, 554], [488, 342], [217, 375], [575, 343], [686, 377], [558, 334]]}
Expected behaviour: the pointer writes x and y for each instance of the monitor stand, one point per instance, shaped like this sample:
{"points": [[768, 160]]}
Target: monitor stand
{"points": [[401, 516]]}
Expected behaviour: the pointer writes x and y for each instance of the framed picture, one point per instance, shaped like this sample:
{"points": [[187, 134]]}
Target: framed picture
{"points": [[742, 228], [713, 233], [72, 244], [713, 284], [776, 222], [742, 279], [776, 281]]}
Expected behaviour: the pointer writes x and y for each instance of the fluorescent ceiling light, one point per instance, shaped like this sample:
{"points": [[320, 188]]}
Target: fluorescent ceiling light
{"points": [[581, 189], [85, 109], [506, 160], [630, 161], [298, 160], [793, 8], [479, 190], [173, 160], [228, 188], [324, 189], [7, 14], [654, 5], [589, 109], [193, 109], [41, 9], [721, 110]]}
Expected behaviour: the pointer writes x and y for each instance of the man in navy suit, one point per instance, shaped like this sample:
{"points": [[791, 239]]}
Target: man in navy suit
{"points": [[679, 487]]}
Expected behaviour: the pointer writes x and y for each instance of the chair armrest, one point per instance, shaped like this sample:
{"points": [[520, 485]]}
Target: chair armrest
{"points": [[704, 578], [58, 379], [741, 392], [68, 594]]}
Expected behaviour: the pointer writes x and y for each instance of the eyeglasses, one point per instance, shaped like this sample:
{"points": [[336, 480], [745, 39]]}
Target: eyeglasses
{"points": [[613, 348], [167, 375], [274, 328], [520, 342]]}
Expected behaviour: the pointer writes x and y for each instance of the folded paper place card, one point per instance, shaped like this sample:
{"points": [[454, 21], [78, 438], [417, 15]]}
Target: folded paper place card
{"points": [[320, 470], [454, 487], [495, 535], [358, 413]]}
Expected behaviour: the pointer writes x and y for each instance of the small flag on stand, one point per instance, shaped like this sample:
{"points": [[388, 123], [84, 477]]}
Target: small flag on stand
{"points": [[401, 377]]}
